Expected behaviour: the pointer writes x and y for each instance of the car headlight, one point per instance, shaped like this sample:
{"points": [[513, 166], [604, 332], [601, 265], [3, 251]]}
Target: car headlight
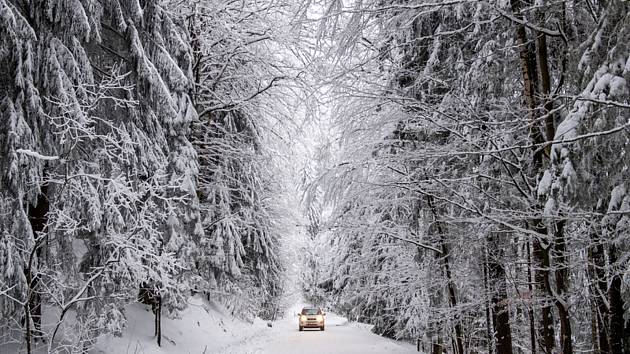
{"points": [[320, 318], [303, 318]]}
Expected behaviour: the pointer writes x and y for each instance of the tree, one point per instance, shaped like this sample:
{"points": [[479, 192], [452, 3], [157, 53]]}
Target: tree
{"points": [[241, 95], [483, 137], [88, 161]]}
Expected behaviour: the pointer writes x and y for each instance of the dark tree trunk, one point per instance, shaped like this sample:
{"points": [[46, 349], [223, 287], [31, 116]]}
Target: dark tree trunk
{"points": [[541, 254], [489, 325], [545, 85], [527, 55], [453, 300], [27, 324], [38, 217], [561, 273], [599, 289], [434, 331], [500, 309], [149, 295], [594, 330], [562, 283], [530, 281], [35, 300], [195, 45], [616, 308], [157, 311], [452, 297], [502, 331], [438, 347]]}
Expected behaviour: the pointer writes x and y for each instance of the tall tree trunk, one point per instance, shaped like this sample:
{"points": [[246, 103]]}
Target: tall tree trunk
{"points": [[562, 273], [599, 288], [434, 331], [27, 321], [594, 330], [500, 308], [530, 310], [452, 297], [489, 325], [545, 85], [157, 311], [195, 45], [562, 280], [541, 254], [527, 55], [616, 307], [37, 216]]}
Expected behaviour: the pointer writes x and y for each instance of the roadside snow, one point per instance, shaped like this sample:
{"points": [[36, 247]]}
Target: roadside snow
{"points": [[340, 336], [204, 327], [207, 328]]}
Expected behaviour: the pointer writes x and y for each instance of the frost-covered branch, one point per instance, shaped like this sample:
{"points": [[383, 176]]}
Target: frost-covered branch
{"points": [[37, 155]]}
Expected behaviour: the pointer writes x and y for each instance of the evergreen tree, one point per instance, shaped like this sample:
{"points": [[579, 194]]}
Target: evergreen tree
{"points": [[94, 136]]}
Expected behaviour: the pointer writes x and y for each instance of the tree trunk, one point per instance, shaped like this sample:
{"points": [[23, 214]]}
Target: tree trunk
{"points": [[38, 217], [500, 308], [27, 323], [530, 310], [599, 288], [489, 325], [36, 307], [616, 307], [502, 331], [195, 45], [545, 85], [593, 324], [562, 280], [434, 332], [559, 239], [541, 254], [157, 311], [437, 346], [452, 297], [527, 55]]}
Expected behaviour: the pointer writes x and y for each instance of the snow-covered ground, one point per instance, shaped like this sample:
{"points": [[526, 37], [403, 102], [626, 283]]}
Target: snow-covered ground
{"points": [[340, 336], [206, 328]]}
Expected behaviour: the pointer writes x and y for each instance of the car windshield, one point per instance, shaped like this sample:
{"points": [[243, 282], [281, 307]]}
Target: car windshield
{"points": [[310, 312]]}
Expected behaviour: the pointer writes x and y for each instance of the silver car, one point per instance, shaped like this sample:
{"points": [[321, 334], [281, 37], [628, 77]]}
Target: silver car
{"points": [[311, 317]]}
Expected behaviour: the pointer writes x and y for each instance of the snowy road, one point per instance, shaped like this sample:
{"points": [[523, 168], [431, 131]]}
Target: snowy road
{"points": [[340, 337]]}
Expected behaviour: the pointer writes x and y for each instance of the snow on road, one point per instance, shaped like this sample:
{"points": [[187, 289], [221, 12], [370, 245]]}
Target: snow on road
{"points": [[207, 328], [340, 337]]}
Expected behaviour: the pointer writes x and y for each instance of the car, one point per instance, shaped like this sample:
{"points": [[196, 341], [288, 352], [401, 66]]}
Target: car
{"points": [[311, 317]]}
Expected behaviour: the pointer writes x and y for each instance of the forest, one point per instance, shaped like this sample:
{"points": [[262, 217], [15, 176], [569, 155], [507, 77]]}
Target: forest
{"points": [[457, 168]]}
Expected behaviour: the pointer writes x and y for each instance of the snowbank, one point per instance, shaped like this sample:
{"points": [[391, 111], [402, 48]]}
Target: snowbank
{"points": [[204, 327]]}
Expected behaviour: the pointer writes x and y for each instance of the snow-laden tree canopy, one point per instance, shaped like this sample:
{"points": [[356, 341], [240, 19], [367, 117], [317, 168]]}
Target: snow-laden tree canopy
{"points": [[135, 162], [477, 180]]}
